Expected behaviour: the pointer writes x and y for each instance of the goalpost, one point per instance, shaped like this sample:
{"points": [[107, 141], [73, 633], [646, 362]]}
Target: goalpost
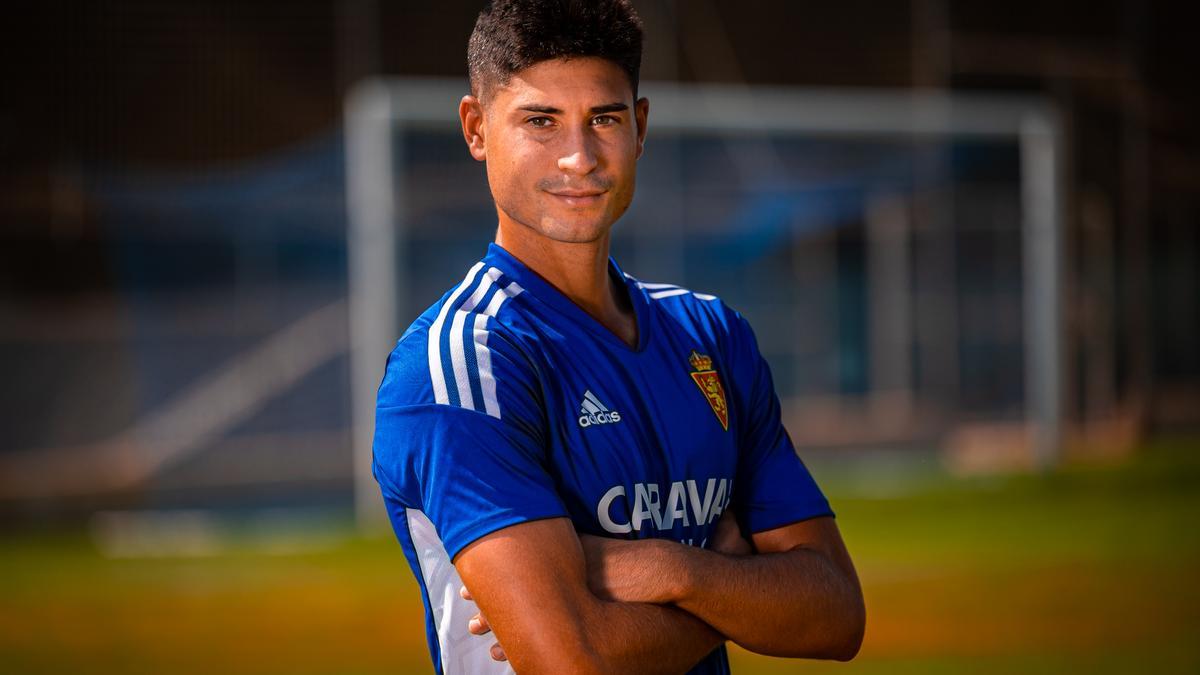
{"points": [[754, 131]]}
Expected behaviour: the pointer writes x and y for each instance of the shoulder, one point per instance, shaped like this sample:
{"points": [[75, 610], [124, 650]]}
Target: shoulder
{"points": [[713, 323], [458, 350], [703, 312]]}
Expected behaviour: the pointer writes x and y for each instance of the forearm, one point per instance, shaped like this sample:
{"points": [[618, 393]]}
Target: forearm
{"points": [[530, 584], [630, 637], [795, 603]]}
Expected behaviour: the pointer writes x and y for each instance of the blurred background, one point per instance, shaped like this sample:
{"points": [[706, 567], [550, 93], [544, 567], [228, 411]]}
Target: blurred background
{"points": [[966, 234]]}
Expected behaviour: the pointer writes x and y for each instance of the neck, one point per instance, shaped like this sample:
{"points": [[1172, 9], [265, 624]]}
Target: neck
{"points": [[578, 270]]}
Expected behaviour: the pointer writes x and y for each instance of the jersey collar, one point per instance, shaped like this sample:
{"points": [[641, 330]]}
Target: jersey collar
{"points": [[544, 291]]}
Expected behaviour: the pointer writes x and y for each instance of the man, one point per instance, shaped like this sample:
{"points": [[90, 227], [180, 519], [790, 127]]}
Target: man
{"points": [[579, 449]]}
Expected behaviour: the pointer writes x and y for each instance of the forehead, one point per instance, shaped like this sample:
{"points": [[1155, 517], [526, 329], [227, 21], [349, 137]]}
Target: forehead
{"points": [[565, 83]]}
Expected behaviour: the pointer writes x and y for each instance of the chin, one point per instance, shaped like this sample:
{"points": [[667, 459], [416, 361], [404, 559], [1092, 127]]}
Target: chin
{"points": [[567, 226], [575, 235], [572, 231]]}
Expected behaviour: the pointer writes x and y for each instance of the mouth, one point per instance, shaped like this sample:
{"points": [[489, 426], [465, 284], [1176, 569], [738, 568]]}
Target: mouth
{"points": [[578, 197]]}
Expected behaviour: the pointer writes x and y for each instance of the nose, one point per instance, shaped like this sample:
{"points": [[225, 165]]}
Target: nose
{"points": [[578, 156]]}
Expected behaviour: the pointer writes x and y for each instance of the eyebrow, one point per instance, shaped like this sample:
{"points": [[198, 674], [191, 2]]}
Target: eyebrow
{"points": [[595, 110]]}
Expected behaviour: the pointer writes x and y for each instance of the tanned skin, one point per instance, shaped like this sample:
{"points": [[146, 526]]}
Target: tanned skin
{"points": [[561, 142]]}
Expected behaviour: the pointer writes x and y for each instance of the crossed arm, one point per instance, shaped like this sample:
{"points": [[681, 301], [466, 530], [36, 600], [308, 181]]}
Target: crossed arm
{"points": [[530, 582], [562, 603]]}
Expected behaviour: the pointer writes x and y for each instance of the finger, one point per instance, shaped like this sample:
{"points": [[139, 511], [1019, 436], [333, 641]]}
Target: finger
{"points": [[478, 625], [464, 593], [498, 653]]}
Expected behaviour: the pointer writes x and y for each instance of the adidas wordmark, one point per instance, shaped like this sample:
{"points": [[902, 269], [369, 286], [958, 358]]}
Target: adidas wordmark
{"points": [[593, 412]]}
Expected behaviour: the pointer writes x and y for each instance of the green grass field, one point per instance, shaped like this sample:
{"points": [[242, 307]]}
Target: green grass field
{"points": [[1089, 570]]}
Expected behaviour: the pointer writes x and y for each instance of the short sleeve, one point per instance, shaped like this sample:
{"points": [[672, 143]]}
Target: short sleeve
{"points": [[471, 473], [774, 488]]}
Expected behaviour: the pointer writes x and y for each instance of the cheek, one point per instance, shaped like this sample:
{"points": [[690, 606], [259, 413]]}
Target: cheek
{"points": [[519, 165], [625, 167], [513, 175], [624, 156], [503, 168]]}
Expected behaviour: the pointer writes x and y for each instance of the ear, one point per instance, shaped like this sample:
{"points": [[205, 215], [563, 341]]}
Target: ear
{"points": [[470, 113], [641, 112]]}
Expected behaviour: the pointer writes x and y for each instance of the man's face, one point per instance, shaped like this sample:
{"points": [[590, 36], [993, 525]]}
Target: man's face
{"points": [[561, 140]]}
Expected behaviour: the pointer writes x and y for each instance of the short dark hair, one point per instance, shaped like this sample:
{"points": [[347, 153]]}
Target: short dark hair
{"points": [[511, 35]]}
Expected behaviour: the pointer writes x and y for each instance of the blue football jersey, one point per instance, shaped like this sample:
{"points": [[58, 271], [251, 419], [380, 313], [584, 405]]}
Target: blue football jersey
{"points": [[505, 402]]}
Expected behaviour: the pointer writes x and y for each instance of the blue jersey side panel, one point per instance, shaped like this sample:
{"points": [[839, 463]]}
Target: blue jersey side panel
{"points": [[505, 403]]}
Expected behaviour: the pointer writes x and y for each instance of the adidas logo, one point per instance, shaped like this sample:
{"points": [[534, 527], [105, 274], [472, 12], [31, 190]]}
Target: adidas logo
{"points": [[592, 412]]}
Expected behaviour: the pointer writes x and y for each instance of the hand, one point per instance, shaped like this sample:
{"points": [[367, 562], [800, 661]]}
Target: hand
{"points": [[628, 571], [478, 625], [727, 537]]}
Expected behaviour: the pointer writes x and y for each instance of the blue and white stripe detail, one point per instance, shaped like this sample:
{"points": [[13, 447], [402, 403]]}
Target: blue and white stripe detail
{"points": [[460, 363], [660, 291], [459, 652]]}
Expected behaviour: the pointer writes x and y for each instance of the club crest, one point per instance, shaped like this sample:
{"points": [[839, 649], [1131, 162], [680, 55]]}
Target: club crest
{"points": [[710, 384]]}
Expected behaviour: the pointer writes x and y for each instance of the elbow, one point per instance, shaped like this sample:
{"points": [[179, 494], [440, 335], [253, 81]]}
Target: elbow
{"points": [[841, 637], [574, 663], [838, 638], [579, 664], [852, 634], [585, 661], [848, 649], [569, 653]]}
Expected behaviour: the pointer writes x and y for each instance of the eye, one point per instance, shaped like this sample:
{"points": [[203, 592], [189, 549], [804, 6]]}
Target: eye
{"points": [[604, 120], [540, 122]]}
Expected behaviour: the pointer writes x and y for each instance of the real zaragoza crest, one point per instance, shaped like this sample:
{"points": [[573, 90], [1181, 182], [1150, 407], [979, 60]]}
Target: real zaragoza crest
{"points": [[710, 383]]}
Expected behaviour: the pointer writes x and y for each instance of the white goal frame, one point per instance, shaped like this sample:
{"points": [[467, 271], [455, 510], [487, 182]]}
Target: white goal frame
{"points": [[377, 108]]}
